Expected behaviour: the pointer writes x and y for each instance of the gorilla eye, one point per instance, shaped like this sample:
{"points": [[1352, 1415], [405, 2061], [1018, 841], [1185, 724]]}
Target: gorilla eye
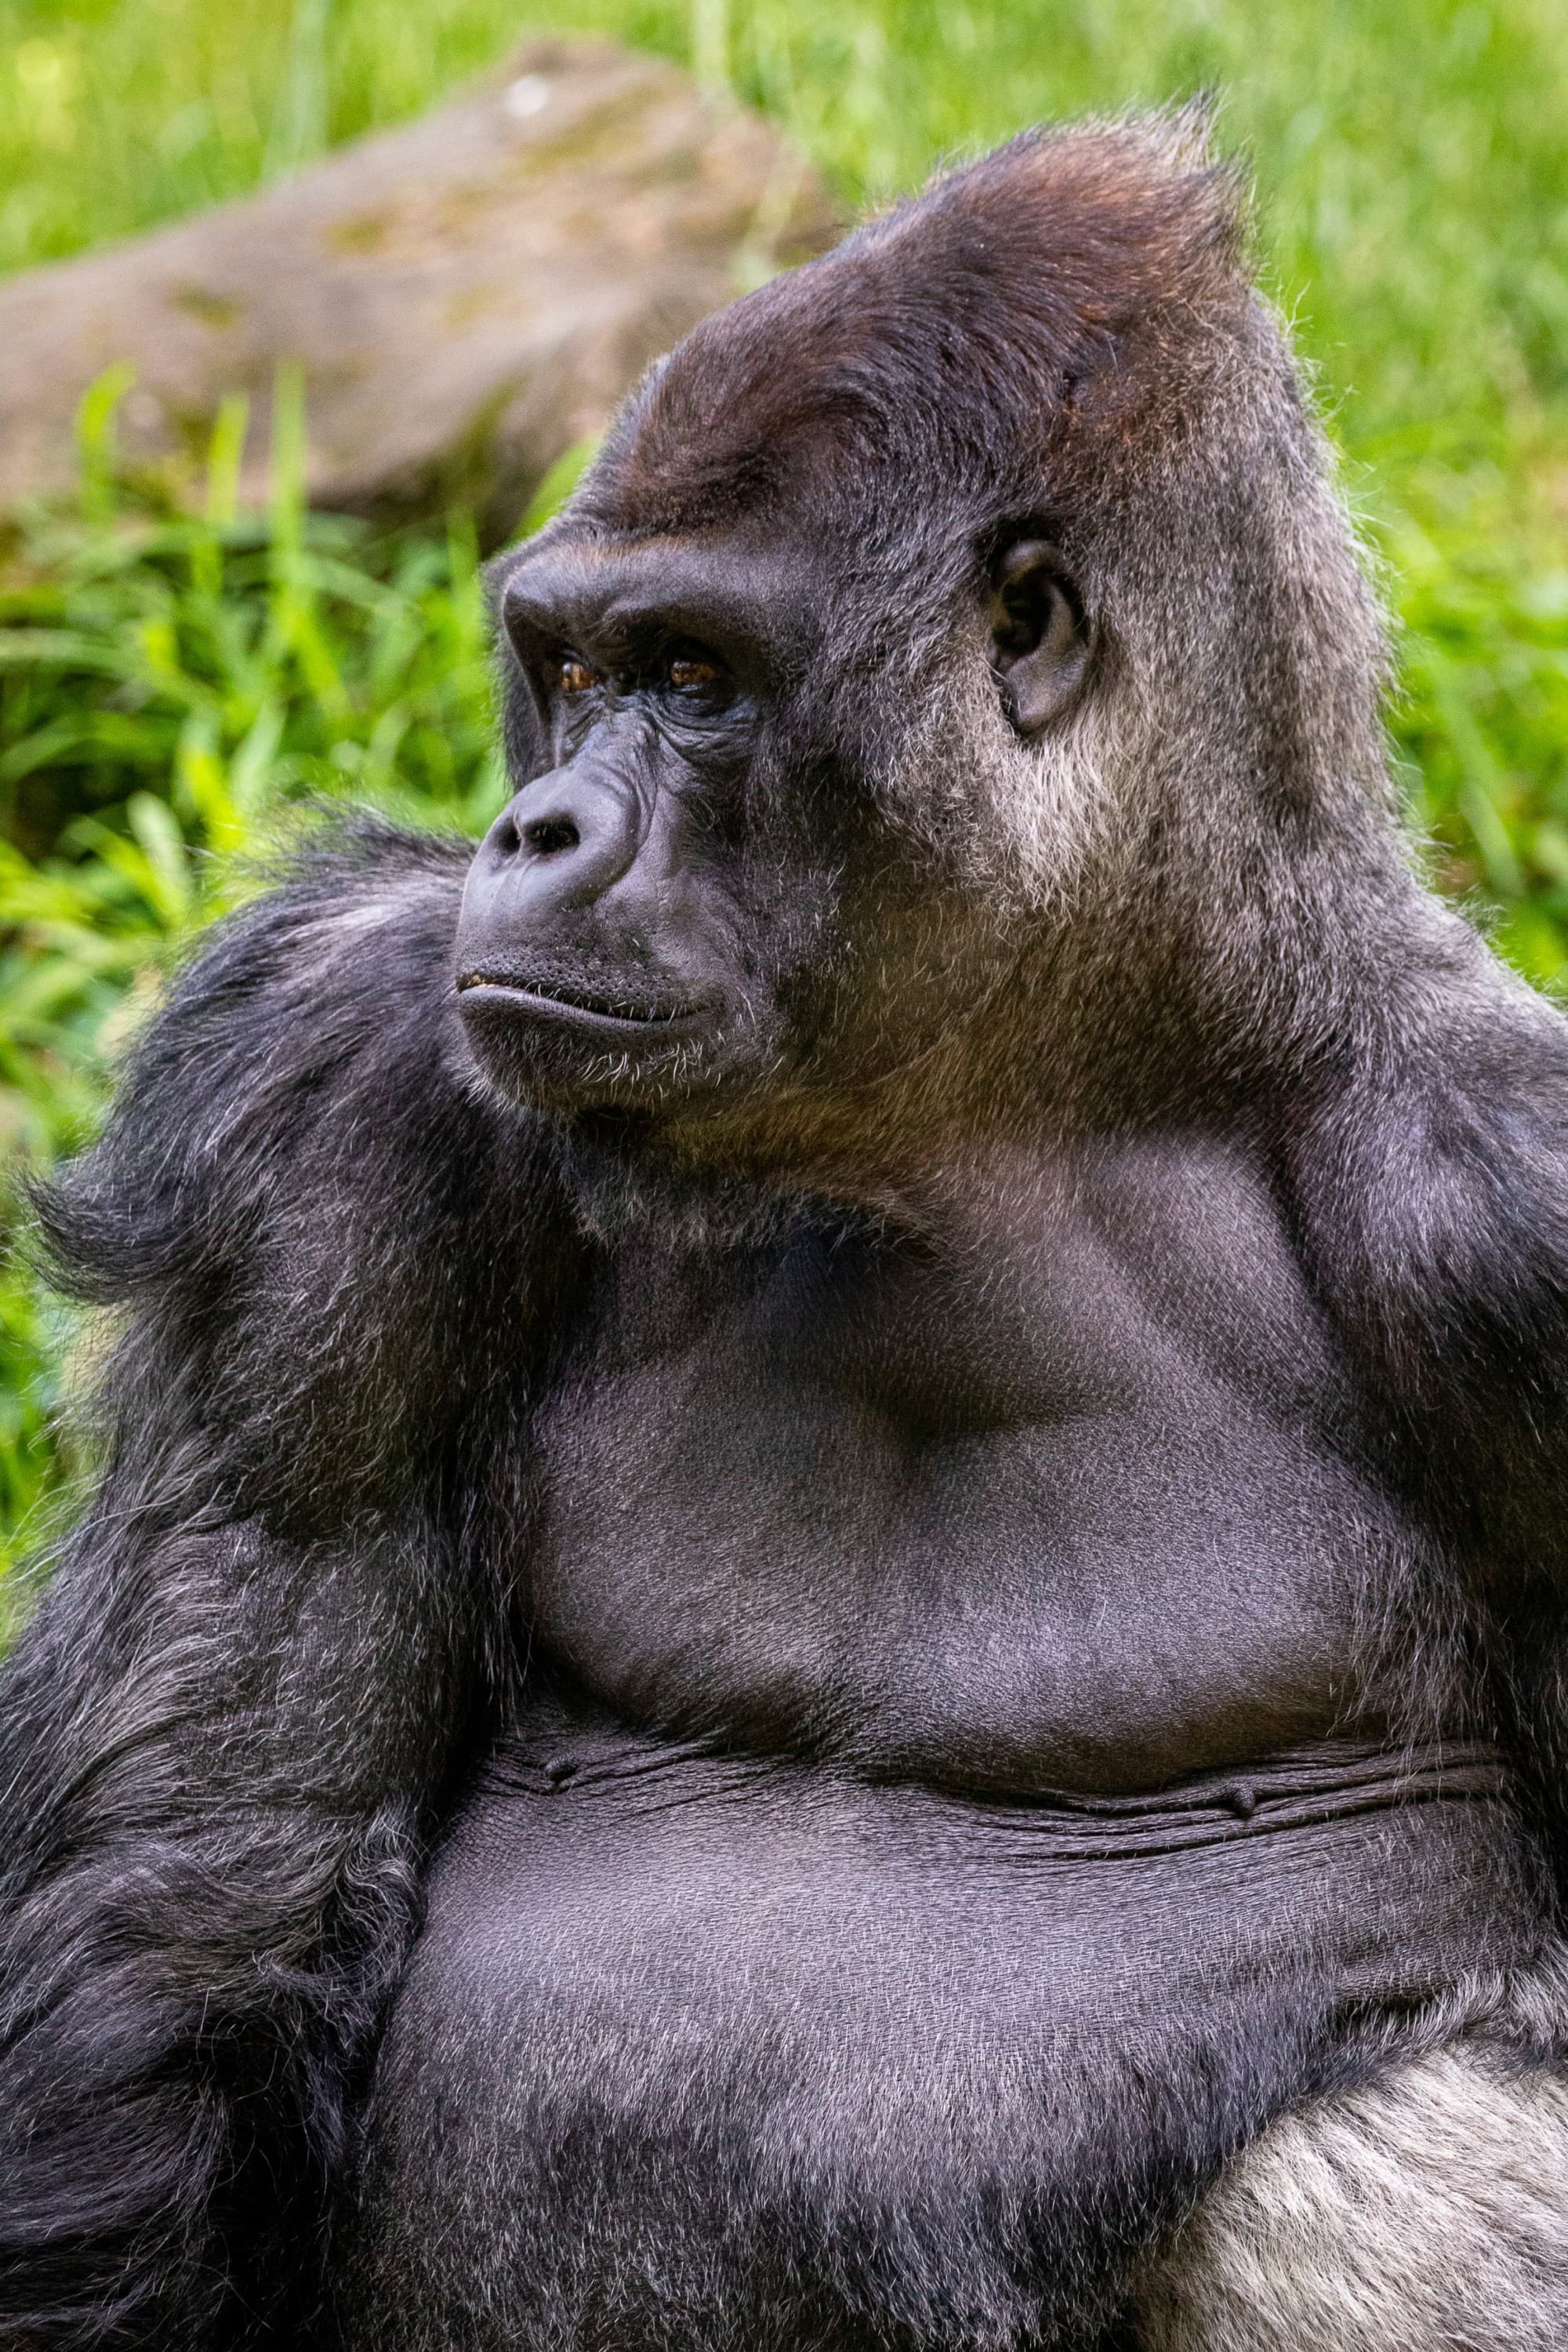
{"points": [[689, 669], [576, 676]]}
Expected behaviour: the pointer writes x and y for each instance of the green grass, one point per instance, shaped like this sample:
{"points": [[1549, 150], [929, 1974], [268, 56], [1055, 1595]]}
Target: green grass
{"points": [[170, 682]]}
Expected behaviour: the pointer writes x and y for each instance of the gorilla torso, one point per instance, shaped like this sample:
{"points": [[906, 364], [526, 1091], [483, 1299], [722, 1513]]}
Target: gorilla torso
{"points": [[967, 1513], [947, 1685]]}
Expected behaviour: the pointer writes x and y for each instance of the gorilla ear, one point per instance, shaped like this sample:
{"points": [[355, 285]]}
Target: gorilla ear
{"points": [[1039, 640]]}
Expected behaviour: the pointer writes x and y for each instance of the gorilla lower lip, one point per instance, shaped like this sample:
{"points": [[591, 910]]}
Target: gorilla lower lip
{"points": [[576, 1003]]}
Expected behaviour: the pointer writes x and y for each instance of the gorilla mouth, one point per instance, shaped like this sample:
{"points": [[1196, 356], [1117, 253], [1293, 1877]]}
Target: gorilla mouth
{"points": [[585, 1006]]}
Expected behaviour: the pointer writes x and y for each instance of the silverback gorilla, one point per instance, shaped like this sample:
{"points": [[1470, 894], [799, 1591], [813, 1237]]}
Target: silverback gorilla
{"points": [[829, 1609]]}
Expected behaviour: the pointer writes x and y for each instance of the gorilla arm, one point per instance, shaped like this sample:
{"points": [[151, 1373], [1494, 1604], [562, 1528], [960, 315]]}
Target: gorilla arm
{"points": [[223, 1738], [1429, 1169]]}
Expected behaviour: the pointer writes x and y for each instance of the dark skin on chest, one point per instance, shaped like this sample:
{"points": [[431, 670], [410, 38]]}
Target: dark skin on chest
{"points": [[1046, 1496]]}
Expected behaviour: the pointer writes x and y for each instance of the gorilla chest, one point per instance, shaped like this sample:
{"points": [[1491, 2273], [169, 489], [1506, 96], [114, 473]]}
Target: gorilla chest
{"points": [[1006, 1530]]}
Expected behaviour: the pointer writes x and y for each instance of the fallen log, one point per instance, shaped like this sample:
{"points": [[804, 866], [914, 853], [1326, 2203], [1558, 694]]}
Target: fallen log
{"points": [[468, 297]]}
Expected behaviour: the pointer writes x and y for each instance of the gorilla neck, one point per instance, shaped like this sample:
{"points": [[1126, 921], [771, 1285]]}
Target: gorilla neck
{"points": [[1042, 1061]]}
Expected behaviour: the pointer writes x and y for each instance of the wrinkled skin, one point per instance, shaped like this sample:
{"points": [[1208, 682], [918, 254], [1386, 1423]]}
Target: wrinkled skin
{"points": [[832, 1542]]}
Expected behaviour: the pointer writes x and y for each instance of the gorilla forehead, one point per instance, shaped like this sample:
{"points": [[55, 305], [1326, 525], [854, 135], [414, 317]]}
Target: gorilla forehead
{"points": [[1035, 308]]}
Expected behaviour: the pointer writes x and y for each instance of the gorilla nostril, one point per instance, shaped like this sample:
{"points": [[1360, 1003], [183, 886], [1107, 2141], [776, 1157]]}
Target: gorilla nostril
{"points": [[505, 837], [547, 836]]}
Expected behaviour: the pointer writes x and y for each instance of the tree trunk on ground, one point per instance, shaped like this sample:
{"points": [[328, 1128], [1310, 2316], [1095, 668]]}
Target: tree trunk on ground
{"points": [[468, 297]]}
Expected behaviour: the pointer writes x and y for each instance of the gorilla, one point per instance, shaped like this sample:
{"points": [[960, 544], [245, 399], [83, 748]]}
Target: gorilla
{"points": [[827, 1608]]}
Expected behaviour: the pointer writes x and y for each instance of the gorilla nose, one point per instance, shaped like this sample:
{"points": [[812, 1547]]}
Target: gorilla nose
{"points": [[564, 841]]}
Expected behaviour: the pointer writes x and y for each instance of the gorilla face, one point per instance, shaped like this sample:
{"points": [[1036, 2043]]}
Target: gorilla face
{"points": [[633, 920], [701, 899]]}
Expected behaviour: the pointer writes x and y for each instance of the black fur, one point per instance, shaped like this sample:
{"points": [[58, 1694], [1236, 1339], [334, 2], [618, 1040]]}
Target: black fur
{"points": [[226, 1736]]}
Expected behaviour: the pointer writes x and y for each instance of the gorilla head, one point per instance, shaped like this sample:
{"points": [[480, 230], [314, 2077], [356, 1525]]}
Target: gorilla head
{"points": [[921, 603]]}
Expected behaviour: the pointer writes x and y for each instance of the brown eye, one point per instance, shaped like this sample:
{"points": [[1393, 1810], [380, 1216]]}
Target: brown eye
{"points": [[689, 671], [576, 677]]}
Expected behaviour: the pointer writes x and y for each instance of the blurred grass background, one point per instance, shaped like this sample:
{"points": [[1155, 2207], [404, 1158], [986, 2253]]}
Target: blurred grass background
{"points": [[168, 682]]}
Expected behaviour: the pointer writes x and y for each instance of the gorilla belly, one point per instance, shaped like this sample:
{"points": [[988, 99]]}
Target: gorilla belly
{"points": [[698, 2051]]}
